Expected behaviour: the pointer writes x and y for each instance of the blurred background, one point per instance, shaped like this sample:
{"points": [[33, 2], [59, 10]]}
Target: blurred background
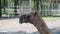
{"points": [[11, 10]]}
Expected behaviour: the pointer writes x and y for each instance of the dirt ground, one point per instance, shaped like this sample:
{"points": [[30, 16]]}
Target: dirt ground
{"points": [[12, 26]]}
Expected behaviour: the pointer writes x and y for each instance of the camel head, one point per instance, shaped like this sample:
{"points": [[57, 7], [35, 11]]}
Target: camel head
{"points": [[26, 18]]}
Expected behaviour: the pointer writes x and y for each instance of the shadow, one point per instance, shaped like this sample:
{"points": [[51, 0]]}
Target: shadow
{"points": [[55, 30], [19, 32]]}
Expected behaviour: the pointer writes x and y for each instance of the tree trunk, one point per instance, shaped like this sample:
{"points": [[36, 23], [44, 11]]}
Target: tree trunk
{"points": [[37, 5], [41, 7], [4, 6], [0, 9], [15, 7], [36, 2]]}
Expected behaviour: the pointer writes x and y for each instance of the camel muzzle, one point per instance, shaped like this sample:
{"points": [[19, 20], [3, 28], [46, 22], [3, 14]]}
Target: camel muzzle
{"points": [[24, 18]]}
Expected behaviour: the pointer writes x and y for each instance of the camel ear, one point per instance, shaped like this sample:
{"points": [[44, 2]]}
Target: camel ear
{"points": [[35, 13]]}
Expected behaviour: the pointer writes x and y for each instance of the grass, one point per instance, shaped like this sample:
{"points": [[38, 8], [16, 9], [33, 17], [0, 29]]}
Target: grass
{"points": [[45, 18], [51, 18]]}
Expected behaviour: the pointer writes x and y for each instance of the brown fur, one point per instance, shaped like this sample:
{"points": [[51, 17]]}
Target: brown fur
{"points": [[39, 23]]}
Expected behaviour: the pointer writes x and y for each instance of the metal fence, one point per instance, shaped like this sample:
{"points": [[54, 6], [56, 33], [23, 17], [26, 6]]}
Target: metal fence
{"points": [[50, 8]]}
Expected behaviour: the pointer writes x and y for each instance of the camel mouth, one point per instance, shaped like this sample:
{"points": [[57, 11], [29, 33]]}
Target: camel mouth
{"points": [[20, 22], [23, 21]]}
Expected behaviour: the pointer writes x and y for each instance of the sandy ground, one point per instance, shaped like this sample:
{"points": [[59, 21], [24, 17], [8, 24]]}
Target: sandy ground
{"points": [[12, 26]]}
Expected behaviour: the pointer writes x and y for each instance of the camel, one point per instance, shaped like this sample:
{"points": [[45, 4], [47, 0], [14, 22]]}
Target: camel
{"points": [[35, 19]]}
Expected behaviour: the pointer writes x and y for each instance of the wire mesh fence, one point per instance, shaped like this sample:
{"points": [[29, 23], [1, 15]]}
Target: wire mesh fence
{"points": [[46, 8]]}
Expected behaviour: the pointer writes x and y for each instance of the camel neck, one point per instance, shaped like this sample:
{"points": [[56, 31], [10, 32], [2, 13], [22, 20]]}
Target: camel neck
{"points": [[42, 27]]}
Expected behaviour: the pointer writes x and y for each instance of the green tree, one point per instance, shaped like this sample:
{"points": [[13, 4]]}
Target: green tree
{"points": [[0, 9], [5, 4]]}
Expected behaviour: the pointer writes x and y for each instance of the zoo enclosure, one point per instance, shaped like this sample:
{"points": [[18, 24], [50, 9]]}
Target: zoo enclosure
{"points": [[46, 8]]}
